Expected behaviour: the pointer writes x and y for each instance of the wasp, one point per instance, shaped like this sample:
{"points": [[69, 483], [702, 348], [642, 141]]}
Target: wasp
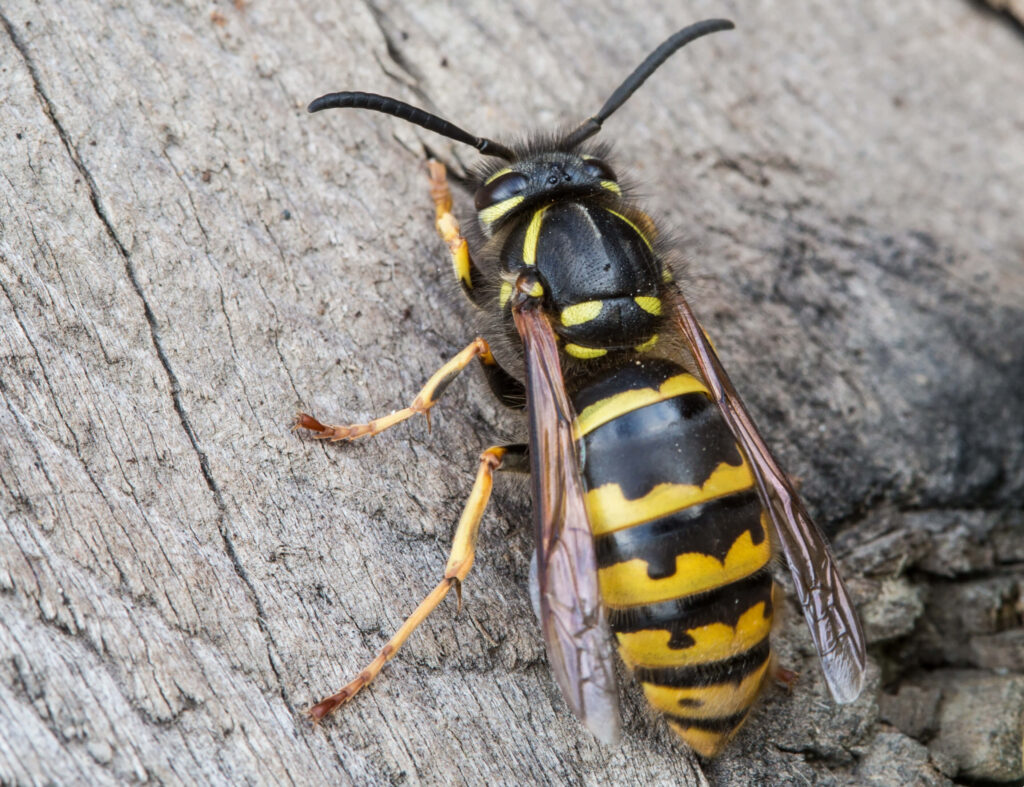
{"points": [[657, 505]]}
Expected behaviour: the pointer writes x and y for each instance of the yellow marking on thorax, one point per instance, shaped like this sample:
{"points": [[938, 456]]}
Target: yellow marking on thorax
{"points": [[495, 212], [649, 304], [498, 174], [580, 312], [532, 236], [627, 584], [609, 510], [610, 408], [584, 353], [648, 345], [713, 642], [505, 294], [716, 700], [612, 186], [636, 229]]}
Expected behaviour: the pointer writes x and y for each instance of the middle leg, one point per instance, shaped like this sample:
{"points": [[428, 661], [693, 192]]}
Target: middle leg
{"points": [[425, 399]]}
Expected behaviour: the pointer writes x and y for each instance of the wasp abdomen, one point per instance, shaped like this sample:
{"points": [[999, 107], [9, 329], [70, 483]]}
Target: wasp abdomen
{"points": [[682, 546]]}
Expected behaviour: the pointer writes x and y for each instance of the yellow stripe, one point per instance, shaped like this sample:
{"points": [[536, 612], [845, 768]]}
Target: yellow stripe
{"points": [[580, 313], [608, 409], [645, 346], [611, 185], [649, 304], [532, 234], [636, 229], [628, 584], [717, 700], [584, 353], [609, 510], [706, 743], [713, 642], [505, 294], [498, 174], [495, 212]]}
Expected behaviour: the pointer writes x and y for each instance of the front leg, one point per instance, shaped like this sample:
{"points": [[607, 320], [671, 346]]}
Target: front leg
{"points": [[448, 228]]}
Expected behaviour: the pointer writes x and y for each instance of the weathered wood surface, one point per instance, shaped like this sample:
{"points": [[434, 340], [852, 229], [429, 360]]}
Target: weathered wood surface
{"points": [[186, 257]]}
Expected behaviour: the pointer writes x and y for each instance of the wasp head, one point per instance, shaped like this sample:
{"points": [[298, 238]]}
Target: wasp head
{"points": [[542, 177]]}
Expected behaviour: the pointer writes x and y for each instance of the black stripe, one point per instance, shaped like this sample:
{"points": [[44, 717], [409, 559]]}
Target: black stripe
{"points": [[730, 670], [631, 377], [721, 605], [716, 724], [708, 529], [681, 440]]}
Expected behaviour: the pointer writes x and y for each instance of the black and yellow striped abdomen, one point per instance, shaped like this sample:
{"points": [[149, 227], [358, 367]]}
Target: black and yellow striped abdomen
{"points": [[682, 545]]}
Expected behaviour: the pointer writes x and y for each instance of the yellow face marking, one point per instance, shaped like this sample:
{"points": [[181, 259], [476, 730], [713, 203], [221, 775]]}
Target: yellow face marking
{"points": [[649, 344], [532, 235], [713, 642], [584, 353], [606, 410], [627, 584], [495, 212], [717, 700], [636, 229], [505, 294], [498, 174], [612, 186], [609, 510], [649, 304], [580, 313]]}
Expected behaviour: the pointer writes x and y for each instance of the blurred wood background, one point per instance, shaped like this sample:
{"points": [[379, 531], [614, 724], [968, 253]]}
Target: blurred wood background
{"points": [[187, 257]]}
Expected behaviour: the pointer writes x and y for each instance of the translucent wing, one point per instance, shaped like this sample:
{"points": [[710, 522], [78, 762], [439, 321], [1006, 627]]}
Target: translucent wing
{"points": [[570, 608], [827, 607]]}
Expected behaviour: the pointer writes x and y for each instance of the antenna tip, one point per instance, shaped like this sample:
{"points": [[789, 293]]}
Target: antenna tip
{"points": [[316, 105]]}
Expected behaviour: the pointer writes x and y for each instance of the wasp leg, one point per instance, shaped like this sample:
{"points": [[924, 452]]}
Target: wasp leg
{"points": [[448, 228], [424, 400], [508, 390], [786, 678], [460, 560]]}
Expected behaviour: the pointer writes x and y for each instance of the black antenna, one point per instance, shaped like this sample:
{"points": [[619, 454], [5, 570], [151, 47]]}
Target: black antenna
{"points": [[592, 125], [392, 106]]}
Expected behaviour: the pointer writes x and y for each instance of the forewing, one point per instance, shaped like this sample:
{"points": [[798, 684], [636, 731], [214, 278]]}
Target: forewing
{"points": [[570, 608], [827, 606]]}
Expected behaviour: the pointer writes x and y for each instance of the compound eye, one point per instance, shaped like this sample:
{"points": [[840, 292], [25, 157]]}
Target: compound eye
{"points": [[500, 189], [598, 169]]}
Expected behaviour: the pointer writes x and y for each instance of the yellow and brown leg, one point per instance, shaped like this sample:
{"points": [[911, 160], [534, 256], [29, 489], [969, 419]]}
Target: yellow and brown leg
{"points": [[424, 400], [448, 228], [460, 560]]}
